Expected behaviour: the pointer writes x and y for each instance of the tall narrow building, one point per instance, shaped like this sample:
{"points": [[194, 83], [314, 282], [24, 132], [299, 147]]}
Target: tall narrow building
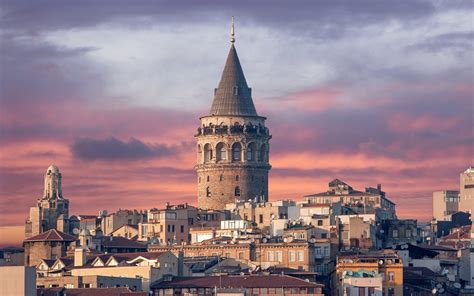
{"points": [[51, 210], [232, 143]]}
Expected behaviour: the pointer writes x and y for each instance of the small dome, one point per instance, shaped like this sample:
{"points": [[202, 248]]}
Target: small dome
{"points": [[52, 169]]}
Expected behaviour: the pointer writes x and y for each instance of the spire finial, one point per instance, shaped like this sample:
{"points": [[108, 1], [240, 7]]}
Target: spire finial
{"points": [[232, 32]]}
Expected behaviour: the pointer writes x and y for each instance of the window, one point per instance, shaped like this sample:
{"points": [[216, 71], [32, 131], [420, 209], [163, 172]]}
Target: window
{"points": [[320, 222], [172, 228], [208, 192], [221, 178], [279, 256], [408, 233], [182, 228], [236, 152], [395, 233], [161, 228], [300, 256], [235, 90], [208, 178], [292, 256], [270, 256], [324, 235], [362, 291], [371, 291], [221, 152], [169, 228], [237, 178], [263, 153], [391, 276], [260, 218], [251, 149], [207, 153], [241, 255], [391, 291], [237, 191]]}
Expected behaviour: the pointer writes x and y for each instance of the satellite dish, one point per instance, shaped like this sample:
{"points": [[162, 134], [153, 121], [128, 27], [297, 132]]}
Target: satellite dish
{"points": [[457, 285], [349, 272], [285, 240], [441, 291], [75, 231], [264, 239], [380, 262]]}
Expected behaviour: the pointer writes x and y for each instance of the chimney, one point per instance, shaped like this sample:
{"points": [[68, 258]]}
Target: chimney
{"points": [[379, 187], [181, 262], [79, 257]]}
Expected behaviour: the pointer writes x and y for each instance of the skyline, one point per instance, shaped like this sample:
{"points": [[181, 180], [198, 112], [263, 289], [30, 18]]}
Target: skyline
{"points": [[117, 115]]}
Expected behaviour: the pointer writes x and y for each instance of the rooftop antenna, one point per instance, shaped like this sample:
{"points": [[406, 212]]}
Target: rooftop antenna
{"points": [[232, 32]]}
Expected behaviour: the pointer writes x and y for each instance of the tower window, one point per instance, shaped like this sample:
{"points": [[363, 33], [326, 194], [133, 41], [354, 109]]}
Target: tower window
{"points": [[208, 192], [237, 178], [199, 179], [221, 152], [236, 90], [236, 152], [237, 191], [208, 178], [221, 178], [251, 149], [207, 153]]}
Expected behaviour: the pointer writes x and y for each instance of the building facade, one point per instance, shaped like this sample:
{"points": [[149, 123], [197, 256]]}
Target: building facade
{"points": [[466, 193], [232, 143], [445, 203]]}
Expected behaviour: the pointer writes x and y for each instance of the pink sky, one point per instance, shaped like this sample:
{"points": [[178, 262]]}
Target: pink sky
{"points": [[384, 100]]}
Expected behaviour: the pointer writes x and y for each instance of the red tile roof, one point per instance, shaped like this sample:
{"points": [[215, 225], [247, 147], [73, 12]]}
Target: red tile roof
{"points": [[237, 281], [52, 235]]}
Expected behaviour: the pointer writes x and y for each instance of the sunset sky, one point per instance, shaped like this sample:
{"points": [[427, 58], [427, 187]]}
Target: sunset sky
{"points": [[111, 92]]}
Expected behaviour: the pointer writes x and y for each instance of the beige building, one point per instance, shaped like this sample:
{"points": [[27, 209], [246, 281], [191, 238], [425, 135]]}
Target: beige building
{"points": [[108, 270], [445, 203], [263, 213], [466, 193], [370, 201], [17, 281], [232, 144], [51, 210], [384, 264], [112, 222], [127, 231], [172, 224]]}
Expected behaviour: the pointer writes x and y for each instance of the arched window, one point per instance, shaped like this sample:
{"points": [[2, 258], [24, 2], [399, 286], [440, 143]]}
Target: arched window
{"points": [[236, 152], [221, 152], [237, 191], [221, 178], [207, 153], [208, 192], [199, 154], [237, 178], [263, 153], [251, 152], [208, 178]]}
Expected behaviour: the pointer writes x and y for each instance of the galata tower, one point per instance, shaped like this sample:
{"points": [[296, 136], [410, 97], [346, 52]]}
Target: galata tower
{"points": [[232, 143]]}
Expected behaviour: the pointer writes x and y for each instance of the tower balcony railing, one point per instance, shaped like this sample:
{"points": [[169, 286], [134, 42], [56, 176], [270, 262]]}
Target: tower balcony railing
{"points": [[234, 129]]}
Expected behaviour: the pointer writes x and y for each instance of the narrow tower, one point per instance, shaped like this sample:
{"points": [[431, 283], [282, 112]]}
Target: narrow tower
{"points": [[51, 210], [232, 143]]}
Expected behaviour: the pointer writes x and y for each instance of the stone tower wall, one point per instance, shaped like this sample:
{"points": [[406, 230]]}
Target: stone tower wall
{"points": [[221, 178]]}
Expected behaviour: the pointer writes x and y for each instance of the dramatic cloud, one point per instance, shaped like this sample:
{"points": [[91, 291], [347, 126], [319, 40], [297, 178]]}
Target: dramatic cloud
{"points": [[114, 149], [366, 91]]}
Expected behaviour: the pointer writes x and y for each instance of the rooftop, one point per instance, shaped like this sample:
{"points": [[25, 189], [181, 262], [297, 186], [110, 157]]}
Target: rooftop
{"points": [[52, 235], [237, 281]]}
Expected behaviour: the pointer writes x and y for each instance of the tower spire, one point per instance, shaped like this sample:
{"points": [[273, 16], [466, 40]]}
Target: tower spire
{"points": [[232, 32]]}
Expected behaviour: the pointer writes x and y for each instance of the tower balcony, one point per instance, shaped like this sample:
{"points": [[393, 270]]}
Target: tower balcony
{"points": [[236, 129]]}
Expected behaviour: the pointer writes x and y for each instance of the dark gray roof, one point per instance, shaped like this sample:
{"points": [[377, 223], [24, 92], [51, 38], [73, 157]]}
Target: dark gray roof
{"points": [[233, 96]]}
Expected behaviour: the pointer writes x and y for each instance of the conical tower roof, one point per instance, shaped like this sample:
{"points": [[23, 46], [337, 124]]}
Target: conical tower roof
{"points": [[233, 96]]}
